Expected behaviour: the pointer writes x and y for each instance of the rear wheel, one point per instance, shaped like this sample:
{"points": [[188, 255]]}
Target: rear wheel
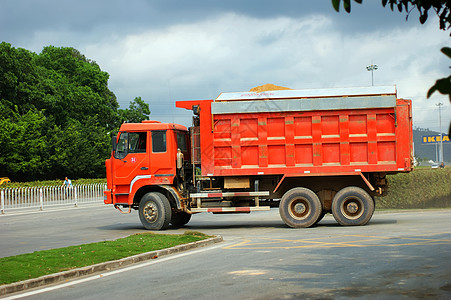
{"points": [[321, 216], [300, 207], [180, 218], [155, 211], [352, 206]]}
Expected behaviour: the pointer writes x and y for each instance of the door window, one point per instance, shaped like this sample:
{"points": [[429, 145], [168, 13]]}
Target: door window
{"points": [[159, 141], [137, 142], [181, 141]]}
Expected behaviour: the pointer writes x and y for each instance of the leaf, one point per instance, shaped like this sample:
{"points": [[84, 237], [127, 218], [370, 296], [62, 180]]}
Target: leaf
{"points": [[384, 2], [446, 51], [336, 5], [443, 86], [347, 5], [424, 17]]}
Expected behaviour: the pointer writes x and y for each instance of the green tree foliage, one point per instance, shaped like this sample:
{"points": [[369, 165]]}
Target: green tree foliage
{"points": [[57, 114], [137, 112], [75, 87], [441, 7], [18, 80], [79, 148], [23, 144]]}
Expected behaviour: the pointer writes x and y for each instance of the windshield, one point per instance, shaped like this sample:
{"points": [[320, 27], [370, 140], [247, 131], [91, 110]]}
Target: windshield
{"points": [[131, 142], [122, 146]]}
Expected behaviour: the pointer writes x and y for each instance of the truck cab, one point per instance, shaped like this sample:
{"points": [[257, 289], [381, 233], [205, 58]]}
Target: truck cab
{"points": [[144, 159]]}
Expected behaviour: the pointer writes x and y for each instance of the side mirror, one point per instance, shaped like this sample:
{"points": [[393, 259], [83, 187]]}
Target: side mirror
{"points": [[114, 142]]}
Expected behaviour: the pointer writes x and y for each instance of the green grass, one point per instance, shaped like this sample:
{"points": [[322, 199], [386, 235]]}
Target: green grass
{"points": [[421, 188], [40, 263]]}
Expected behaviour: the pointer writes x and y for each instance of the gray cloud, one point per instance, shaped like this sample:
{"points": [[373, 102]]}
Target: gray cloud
{"points": [[174, 50], [19, 19]]}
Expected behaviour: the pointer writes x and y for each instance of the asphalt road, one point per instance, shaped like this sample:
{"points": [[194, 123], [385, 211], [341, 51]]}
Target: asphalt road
{"points": [[397, 255]]}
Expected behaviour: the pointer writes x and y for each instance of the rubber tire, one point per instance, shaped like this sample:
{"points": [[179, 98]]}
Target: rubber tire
{"points": [[358, 196], [161, 216], [321, 216], [309, 215], [179, 219]]}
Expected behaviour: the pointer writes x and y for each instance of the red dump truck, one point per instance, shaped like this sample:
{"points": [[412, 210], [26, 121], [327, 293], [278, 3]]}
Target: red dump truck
{"points": [[309, 152]]}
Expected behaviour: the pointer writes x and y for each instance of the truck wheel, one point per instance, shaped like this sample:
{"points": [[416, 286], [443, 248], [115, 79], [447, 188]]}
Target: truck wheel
{"points": [[352, 206], [300, 207], [155, 211], [321, 216], [180, 218]]}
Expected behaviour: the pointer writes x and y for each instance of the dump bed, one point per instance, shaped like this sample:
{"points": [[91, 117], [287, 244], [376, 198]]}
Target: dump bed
{"points": [[304, 132]]}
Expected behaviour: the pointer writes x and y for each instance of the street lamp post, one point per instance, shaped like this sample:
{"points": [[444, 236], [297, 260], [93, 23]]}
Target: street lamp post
{"points": [[440, 126], [372, 68]]}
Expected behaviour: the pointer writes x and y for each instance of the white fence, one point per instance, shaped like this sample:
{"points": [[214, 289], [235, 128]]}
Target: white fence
{"points": [[49, 196]]}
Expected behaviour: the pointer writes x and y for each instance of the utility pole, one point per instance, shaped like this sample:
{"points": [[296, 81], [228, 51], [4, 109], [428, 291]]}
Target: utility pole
{"points": [[372, 68], [440, 126]]}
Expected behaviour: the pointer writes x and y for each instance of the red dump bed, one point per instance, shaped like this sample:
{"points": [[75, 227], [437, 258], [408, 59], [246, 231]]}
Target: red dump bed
{"points": [[304, 132]]}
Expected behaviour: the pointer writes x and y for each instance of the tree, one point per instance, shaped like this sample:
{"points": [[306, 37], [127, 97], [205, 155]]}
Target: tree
{"points": [[56, 113], [23, 145], [443, 10], [18, 79], [137, 112], [75, 87], [79, 149], [441, 7]]}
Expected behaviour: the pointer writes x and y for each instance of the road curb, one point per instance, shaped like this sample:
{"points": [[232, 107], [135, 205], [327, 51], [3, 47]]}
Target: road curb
{"points": [[106, 266]]}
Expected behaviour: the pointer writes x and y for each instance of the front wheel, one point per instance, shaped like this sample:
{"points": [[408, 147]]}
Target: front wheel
{"points": [[352, 206], [155, 211], [300, 207]]}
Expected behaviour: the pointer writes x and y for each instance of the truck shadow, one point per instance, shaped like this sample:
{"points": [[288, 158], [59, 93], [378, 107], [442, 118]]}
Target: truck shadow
{"points": [[124, 226], [217, 225], [272, 224]]}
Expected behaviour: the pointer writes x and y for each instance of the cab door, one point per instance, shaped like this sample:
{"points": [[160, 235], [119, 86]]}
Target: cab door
{"points": [[162, 158], [130, 163]]}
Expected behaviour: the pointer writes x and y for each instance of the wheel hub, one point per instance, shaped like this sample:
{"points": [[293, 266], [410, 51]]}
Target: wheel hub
{"points": [[150, 212], [352, 207], [300, 208]]}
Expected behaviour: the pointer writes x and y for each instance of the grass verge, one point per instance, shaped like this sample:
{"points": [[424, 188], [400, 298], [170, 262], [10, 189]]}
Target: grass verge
{"points": [[421, 188], [40, 263]]}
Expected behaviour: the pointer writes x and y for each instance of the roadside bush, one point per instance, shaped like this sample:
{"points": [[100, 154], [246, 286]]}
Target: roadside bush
{"points": [[421, 188]]}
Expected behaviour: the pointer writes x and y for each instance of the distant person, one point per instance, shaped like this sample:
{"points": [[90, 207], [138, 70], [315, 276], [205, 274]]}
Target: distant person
{"points": [[67, 184]]}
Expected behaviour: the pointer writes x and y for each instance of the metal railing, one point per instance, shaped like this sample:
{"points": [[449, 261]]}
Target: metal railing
{"points": [[50, 196]]}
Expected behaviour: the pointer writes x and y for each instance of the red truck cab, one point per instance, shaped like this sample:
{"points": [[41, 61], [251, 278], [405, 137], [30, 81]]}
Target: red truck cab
{"points": [[144, 155]]}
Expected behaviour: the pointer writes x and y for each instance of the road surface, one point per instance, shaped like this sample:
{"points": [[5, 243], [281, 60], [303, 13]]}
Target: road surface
{"points": [[397, 255]]}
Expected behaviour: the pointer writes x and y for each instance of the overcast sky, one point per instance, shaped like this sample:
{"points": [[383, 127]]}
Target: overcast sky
{"points": [[166, 50]]}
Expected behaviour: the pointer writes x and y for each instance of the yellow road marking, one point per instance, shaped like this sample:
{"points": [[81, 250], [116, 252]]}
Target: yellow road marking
{"points": [[324, 242]]}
